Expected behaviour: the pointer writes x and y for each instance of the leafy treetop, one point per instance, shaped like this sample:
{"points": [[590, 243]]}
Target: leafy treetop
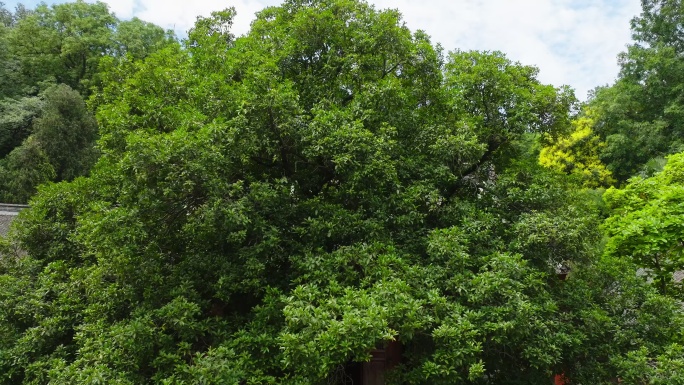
{"points": [[271, 207]]}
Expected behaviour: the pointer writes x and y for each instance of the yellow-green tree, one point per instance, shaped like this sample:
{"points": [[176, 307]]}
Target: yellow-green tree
{"points": [[578, 154]]}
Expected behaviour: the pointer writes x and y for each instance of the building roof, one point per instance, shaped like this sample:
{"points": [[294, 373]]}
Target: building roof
{"points": [[8, 212]]}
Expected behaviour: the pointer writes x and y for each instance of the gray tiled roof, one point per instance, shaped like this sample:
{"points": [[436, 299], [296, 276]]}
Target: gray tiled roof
{"points": [[677, 276], [8, 212]]}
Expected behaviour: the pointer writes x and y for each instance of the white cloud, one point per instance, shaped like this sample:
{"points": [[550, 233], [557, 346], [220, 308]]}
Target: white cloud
{"points": [[573, 42], [122, 8], [181, 15]]}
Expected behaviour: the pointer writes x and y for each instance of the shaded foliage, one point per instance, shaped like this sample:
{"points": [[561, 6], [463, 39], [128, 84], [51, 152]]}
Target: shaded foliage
{"points": [[60, 145], [271, 207]]}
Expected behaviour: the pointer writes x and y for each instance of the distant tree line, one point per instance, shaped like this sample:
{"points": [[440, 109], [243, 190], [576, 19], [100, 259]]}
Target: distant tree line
{"points": [[51, 60]]}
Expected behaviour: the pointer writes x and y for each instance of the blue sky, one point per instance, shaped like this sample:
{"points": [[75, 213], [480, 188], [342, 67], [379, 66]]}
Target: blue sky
{"points": [[573, 42]]}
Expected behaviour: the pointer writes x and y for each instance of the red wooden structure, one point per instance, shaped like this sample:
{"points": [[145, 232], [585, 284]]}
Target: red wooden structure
{"points": [[382, 360], [560, 379]]}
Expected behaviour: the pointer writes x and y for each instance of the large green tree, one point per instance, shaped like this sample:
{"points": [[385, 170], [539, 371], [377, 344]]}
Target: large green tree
{"points": [[270, 208], [66, 131], [10, 78], [645, 227], [51, 58], [64, 43], [647, 222], [641, 116], [47, 138]]}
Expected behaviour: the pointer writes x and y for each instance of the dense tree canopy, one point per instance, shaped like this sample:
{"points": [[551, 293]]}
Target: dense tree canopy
{"points": [[270, 208], [64, 43], [641, 116], [51, 59], [647, 221], [46, 138]]}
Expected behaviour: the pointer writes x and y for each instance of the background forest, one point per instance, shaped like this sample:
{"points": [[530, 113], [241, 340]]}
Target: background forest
{"points": [[270, 208]]}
